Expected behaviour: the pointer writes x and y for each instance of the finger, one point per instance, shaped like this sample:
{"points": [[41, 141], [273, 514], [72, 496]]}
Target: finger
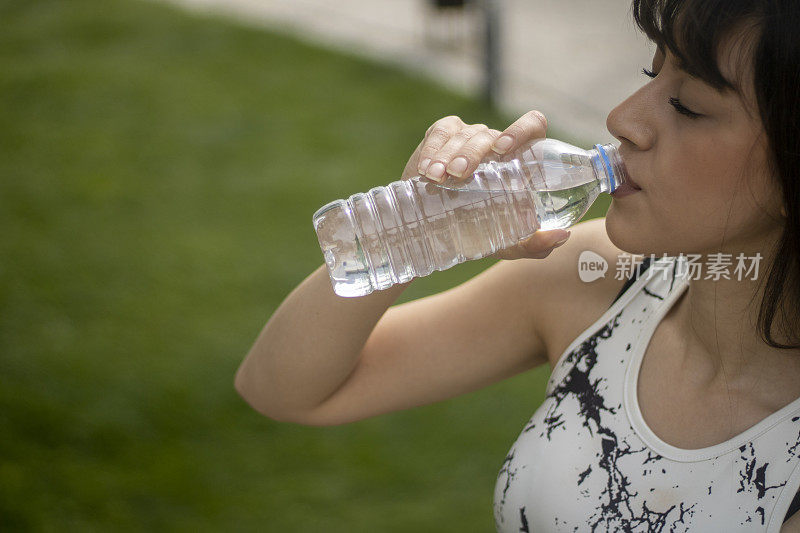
{"points": [[531, 125], [436, 137], [543, 242], [443, 156], [471, 153], [537, 246]]}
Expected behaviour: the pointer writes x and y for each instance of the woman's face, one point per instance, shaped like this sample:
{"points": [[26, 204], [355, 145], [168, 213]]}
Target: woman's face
{"points": [[700, 158]]}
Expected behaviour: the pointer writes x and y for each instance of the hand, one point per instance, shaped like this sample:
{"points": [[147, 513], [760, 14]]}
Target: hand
{"points": [[454, 148]]}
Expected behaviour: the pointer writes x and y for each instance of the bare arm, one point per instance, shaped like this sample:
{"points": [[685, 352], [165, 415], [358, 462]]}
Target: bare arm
{"points": [[340, 366], [309, 346], [510, 318], [324, 360], [440, 347]]}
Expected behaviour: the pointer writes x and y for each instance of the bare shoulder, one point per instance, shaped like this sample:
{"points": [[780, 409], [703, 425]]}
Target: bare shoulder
{"points": [[567, 304], [792, 525]]}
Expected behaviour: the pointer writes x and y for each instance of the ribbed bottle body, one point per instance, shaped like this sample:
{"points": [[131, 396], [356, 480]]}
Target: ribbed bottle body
{"points": [[410, 228]]}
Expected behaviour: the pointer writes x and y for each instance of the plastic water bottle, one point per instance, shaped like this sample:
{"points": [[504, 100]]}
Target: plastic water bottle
{"points": [[412, 227]]}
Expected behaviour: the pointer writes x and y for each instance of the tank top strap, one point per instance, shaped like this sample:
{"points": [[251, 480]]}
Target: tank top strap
{"points": [[637, 272], [652, 277]]}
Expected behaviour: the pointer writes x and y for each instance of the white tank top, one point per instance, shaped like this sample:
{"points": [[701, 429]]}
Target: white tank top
{"points": [[586, 460]]}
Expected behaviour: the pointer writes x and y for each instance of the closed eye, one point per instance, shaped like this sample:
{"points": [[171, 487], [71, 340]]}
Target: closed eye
{"points": [[680, 108]]}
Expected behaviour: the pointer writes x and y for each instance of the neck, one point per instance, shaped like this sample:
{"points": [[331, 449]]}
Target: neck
{"points": [[718, 320]]}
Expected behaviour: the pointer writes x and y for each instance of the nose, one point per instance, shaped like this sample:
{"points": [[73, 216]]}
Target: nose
{"points": [[631, 122]]}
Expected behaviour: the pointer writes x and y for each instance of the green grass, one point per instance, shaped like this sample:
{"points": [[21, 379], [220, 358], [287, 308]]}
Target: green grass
{"points": [[158, 173]]}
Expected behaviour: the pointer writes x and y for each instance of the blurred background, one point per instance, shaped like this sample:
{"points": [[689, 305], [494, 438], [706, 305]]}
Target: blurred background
{"points": [[159, 166]]}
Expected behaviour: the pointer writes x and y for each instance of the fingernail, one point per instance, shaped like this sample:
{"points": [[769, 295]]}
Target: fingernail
{"points": [[562, 241], [457, 166], [435, 171], [502, 144], [423, 165]]}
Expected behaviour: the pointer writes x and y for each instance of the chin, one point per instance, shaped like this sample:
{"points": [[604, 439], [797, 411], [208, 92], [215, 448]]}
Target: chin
{"points": [[642, 239], [625, 234]]}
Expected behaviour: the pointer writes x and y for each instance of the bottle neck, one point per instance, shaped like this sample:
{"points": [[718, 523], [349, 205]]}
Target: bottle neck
{"points": [[609, 167]]}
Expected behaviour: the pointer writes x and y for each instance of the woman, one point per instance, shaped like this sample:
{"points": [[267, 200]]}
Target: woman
{"points": [[675, 407]]}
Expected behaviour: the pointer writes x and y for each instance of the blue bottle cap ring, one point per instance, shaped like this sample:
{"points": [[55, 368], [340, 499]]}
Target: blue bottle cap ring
{"points": [[609, 168]]}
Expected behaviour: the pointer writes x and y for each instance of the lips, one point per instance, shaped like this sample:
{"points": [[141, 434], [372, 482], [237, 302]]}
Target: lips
{"points": [[629, 187], [628, 182]]}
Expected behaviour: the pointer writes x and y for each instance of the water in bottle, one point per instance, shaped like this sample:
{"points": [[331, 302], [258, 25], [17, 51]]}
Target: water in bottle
{"points": [[410, 228]]}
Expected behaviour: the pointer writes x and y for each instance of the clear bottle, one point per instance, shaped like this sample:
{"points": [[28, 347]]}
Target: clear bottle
{"points": [[412, 227]]}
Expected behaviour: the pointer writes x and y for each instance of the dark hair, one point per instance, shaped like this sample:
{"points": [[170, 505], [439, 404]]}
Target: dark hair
{"points": [[692, 31]]}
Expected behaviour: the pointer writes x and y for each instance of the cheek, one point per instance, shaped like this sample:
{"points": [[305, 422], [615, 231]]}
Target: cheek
{"points": [[692, 196], [699, 195], [732, 191]]}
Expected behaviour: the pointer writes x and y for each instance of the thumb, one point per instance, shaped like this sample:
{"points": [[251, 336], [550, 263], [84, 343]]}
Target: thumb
{"points": [[546, 240]]}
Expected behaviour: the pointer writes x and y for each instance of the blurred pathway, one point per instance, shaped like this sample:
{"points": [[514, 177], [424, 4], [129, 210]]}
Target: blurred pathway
{"points": [[572, 59]]}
